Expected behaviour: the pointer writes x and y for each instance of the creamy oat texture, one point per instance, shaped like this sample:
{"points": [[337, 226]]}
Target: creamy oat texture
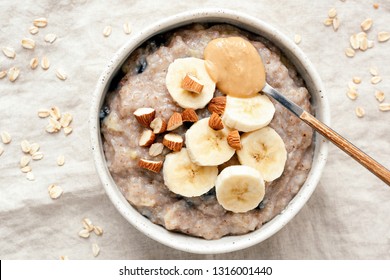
{"points": [[143, 85]]}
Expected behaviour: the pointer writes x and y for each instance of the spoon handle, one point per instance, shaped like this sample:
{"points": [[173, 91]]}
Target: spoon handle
{"points": [[376, 168]]}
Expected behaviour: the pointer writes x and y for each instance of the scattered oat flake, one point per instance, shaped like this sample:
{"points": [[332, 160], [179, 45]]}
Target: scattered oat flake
{"points": [[66, 119], [25, 145], [297, 38], [34, 62], [43, 113], [384, 107], [68, 130], [353, 40], [55, 112], [24, 161], [370, 43], [3, 74], [26, 169], [336, 23], [28, 43], [374, 71], [45, 63], [363, 44], [33, 30], [60, 160], [357, 80], [376, 79], [50, 38], [328, 21], [84, 233], [54, 123], [50, 129], [359, 111], [379, 95], [37, 156], [40, 22], [332, 13], [366, 24], [55, 191], [13, 73], [383, 36], [64, 258], [98, 230], [30, 176], [9, 52], [34, 147], [107, 31], [127, 28], [87, 224], [352, 94], [1, 150], [375, 5], [61, 75], [5, 137], [95, 249], [349, 52]]}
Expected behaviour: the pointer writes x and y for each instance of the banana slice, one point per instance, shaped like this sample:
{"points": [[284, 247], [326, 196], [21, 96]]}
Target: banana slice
{"points": [[239, 188], [265, 151], [189, 67], [206, 146], [184, 177], [248, 114]]}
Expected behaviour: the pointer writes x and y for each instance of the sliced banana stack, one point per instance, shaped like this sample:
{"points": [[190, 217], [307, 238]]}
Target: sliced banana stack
{"points": [[189, 83], [239, 188], [248, 114], [185, 178], [206, 146], [265, 151]]}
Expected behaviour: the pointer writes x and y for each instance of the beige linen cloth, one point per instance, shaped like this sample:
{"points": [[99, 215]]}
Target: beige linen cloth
{"points": [[348, 216]]}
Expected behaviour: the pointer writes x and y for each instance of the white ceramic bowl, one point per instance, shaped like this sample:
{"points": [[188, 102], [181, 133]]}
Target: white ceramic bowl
{"points": [[228, 243]]}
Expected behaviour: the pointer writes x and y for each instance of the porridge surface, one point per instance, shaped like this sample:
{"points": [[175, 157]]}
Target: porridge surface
{"points": [[143, 85]]}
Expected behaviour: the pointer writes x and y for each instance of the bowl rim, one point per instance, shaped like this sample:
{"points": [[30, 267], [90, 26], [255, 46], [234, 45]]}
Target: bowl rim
{"points": [[178, 240]]}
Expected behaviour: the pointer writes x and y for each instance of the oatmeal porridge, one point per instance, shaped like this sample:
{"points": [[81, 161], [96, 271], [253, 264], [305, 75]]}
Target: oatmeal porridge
{"points": [[147, 165]]}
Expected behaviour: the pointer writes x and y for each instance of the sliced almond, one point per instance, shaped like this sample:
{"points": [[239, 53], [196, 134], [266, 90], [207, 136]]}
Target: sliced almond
{"points": [[33, 30], [147, 138], [26, 169], [30, 176], [28, 43], [383, 36], [60, 160], [191, 83], [87, 224], [66, 119], [336, 23], [156, 149], [297, 38], [61, 75], [54, 191], [3, 73], [379, 95], [349, 52], [50, 38], [359, 111], [353, 40], [43, 113], [37, 156], [34, 62], [127, 28], [215, 122], [158, 125], [95, 249], [107, 31], [217, 105], [234, 140], [189, 115], [154, 166], [174, 121], [9, 52], [384, 107], [173, 141], [5, 137], [84, 233], [376, 79], [40, 22], [13, 73], [98, 230], [24, 161], [45, 63], [25, 145], [366, 24], [144, 116]]}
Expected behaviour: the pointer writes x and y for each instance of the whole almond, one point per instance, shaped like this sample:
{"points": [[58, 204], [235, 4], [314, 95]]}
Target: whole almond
{"points": [[233, 140], [174, 121]]}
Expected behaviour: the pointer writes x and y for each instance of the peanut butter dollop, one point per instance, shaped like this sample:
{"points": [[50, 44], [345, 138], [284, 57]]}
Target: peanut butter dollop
{"points": [[235, 66]]}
